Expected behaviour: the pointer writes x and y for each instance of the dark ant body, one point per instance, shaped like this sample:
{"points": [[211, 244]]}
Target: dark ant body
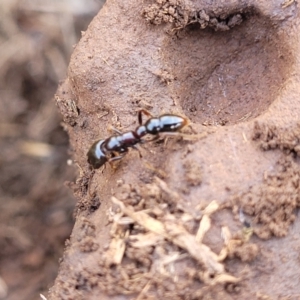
{"points": [[115, 147]]}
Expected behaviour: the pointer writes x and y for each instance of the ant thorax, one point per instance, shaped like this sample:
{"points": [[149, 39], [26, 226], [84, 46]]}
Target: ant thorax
{"points": [[128, 139], [113, 143], [119, 142]]}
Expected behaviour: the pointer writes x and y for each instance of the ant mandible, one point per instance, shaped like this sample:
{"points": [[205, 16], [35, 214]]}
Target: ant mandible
{"points": [[115, 147]]}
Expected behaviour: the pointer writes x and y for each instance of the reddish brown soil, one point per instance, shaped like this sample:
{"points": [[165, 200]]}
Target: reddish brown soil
{"points": [[209, 217]]}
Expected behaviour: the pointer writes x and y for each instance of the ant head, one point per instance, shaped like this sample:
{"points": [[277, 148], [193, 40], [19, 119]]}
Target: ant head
{"points": [[171, 123]]}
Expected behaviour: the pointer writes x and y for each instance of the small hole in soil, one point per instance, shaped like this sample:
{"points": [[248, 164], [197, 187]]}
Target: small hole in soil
{"points": [[228, 77], [95, 204]]}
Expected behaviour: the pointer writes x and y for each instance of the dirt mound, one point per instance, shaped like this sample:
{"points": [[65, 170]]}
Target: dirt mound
{"points": [[196, 217]]}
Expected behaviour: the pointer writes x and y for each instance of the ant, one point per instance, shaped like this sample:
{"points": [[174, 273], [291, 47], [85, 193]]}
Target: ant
{"points": [[115, 147]]}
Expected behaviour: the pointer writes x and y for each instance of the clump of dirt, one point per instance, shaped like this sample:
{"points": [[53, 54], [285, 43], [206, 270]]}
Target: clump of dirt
{"points": [[272, 207], [86, 238], [86, 201], [192, 173], [239, 245], [272, 137], [246, 252], [68, 110], [183, 13]]}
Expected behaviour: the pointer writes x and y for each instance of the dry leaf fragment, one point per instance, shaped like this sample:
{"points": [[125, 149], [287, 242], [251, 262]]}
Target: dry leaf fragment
{"points": [[116, 251], [144, 240], [225, 278], [287, 3], [211, 208], [204, 226]]}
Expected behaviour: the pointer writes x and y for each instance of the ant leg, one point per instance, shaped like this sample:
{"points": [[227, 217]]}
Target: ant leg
{"points": [[188, 137], [115, 130], [140, 115], [157, 137], [171, 134], [138, 150], [117, 155], [115, 158]]}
